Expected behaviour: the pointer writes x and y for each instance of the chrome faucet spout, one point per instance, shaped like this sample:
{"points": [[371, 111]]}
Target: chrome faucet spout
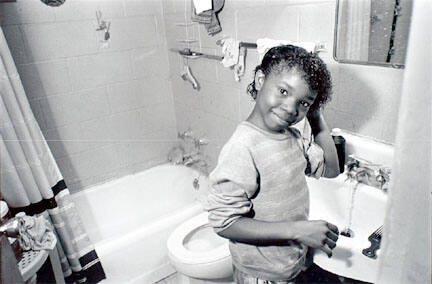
{"points": [[368, 173]]}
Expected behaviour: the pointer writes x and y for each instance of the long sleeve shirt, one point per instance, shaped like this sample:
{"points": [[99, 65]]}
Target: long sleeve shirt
{"points": [[261, 175]]}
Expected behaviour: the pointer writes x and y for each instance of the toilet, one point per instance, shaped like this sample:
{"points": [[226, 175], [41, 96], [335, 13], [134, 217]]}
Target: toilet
{"points": [[195, 250]]}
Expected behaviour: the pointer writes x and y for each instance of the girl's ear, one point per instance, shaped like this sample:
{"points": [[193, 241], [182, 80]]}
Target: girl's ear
{"points": [[259, 79]]}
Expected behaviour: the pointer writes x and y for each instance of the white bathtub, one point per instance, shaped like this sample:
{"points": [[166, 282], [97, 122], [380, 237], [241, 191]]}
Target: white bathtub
{"points": [[129, 220]]}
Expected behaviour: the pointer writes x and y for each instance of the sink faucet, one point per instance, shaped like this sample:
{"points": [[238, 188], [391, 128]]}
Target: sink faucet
{"points": [[368, 173]]}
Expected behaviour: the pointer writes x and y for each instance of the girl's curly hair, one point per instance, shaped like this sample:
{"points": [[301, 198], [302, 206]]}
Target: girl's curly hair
{"points": [[314, 70]]}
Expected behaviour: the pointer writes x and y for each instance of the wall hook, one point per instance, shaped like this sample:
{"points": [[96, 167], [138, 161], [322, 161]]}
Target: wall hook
{"points": [[103, 25]]}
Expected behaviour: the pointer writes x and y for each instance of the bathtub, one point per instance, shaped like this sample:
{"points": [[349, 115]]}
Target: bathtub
{"points": [[129, 219]]}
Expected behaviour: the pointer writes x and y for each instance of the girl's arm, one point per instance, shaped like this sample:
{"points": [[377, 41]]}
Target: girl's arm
{"points": [[316, 234], [323, 138]]}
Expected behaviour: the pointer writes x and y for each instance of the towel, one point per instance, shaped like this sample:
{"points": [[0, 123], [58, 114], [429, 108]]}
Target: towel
{"points": [[35, 233], [208, 17], [264, 44], [202, 5], [230, 50]]}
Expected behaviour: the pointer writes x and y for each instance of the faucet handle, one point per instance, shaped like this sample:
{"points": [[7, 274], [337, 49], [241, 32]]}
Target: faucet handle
{"points": [[185, 134], [201, 142], [384, 177]]}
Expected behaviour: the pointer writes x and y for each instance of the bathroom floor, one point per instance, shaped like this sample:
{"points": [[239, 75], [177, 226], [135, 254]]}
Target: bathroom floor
{"points": [[315, 275]]}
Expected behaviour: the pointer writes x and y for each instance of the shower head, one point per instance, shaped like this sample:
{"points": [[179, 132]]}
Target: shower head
{"points": [[53, 3]]}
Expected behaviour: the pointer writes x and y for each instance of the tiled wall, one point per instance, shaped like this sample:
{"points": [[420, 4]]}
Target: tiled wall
{"points": [[106, 110], [111, 110], [366, 98]]}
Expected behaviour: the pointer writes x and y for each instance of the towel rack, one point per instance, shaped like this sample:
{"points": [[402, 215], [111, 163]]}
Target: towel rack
{"points": [[188, 53], [247, 44], [320, 46]]}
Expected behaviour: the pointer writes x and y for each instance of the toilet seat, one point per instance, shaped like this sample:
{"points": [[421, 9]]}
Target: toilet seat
{"points": [[178, 250]]}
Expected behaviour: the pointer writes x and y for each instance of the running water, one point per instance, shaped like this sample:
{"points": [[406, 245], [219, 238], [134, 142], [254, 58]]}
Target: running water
{"points": [[347, 232]]}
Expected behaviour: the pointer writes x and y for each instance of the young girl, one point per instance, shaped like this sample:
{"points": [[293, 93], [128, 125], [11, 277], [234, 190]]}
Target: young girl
{"points": [[259, 196]]}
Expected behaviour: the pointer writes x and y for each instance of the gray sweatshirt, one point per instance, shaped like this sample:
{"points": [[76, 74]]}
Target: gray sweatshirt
{"points": [[261, 175]]}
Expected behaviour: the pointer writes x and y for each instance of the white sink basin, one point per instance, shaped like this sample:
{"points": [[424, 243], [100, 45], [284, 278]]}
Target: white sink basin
{"points": [[330, 200]]}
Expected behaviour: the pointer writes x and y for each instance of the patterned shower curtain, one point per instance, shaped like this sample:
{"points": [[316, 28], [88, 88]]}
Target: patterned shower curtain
{"points": [[30, 178]]}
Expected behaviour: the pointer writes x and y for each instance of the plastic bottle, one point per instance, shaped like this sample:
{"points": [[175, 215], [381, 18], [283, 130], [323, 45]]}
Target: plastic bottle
{"points": [[340, 148]]}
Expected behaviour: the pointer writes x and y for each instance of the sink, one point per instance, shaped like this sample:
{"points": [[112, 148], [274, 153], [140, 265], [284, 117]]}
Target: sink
{"points": [[330, 200]]}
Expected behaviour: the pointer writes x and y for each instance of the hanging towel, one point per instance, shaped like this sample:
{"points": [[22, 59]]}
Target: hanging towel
{"points": [[264, 44], [202, 5], [209, 17], [230, 50]]}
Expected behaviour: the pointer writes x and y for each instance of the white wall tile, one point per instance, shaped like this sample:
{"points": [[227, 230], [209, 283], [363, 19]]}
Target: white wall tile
{"points": [[220, 100], [284, 24], [54, 109], [134, 152], [93, 103], [45, 78], [134, 32], [76, 38], [174, 6], [86, 95], [317, 22], [25, 12], [126, 126], [248, 27], [175, 32], [157, 118], [246, 105], [95, 133], [104, 161], [139, 7], [78, 10], [124, 96], [150, 60], [100, 69], [186, 95], [154, 90], [65, 140], [58, 40], [41, 41], [214, 127]]}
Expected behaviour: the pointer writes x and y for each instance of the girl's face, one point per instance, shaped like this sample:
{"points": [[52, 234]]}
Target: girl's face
{"points": [[283, 99]]}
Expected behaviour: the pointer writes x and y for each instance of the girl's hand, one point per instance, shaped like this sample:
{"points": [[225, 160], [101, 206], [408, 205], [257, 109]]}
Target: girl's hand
{"points": [[318, 234], [314, 115]]}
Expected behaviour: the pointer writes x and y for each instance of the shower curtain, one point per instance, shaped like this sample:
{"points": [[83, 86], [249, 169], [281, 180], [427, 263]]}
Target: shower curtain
{"points": [[354, 29], [31, 181]]}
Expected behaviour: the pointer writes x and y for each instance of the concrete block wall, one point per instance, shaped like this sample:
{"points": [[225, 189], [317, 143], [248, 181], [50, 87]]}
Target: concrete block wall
{"points": [[105, 109], [366, 98]]}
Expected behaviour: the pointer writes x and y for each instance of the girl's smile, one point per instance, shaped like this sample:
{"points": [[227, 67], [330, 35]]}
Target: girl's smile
{"points": [[283, 99]]}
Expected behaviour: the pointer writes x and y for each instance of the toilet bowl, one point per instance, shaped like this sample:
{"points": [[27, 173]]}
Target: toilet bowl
{"points": [[195, 250]]}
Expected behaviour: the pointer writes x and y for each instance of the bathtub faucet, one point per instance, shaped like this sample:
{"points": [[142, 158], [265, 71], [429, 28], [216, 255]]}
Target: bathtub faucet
{"points": [[194, 159], [188, 135], [368, 173]]}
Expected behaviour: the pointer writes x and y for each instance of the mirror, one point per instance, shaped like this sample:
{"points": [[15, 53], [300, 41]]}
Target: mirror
{"points": [[372, 32]]}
